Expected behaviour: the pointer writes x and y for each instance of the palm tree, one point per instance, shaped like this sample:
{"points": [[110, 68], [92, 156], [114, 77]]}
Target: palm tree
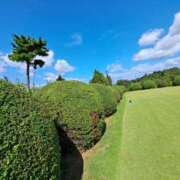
{"points": [[26, 49]]}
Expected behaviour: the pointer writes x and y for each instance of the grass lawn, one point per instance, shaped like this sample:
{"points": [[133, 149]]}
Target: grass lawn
{"points": [[142, 141]]}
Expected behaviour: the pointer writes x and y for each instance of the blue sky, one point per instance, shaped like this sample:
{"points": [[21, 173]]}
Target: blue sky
{"points": [[126, 38]]}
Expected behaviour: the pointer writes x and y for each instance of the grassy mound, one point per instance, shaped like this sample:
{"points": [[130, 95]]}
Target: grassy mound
{"points": [[29, 146], [108, 99], [78, 109]]}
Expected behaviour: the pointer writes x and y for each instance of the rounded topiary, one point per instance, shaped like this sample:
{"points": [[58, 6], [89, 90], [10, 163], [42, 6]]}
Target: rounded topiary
{"points": [[176, 81], [149, 84], [108, 98], [29, 147], [135, 86], [78, 109]]}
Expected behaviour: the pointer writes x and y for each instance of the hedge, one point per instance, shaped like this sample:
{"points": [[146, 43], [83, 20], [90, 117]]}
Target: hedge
{"points": [[135, 86], [176, 81], [78, 110], [118, 91], [149, 84], [108, 98], [29, 147]]}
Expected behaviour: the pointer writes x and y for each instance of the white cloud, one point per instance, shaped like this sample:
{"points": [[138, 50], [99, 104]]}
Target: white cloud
{"points": [[167, 46], [116, 71], [62, 67], [47, 59], [76, 40], [7, 62], [150, 37], [50, 77], [2, 68]]}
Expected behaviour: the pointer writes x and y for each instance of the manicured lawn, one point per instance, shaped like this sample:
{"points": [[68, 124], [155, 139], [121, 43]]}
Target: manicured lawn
{"points": [[142, 141]]}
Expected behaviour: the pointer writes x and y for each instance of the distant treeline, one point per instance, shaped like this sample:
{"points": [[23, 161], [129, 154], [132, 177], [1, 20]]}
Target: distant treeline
{"points": [[165, 78]]}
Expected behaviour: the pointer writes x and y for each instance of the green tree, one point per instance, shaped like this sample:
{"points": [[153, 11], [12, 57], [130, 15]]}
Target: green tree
{"points": [[109, 79], [99, 78], [60, 78], [26, 49]]}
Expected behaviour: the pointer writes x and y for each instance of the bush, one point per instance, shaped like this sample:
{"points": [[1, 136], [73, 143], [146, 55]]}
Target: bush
{"points": [[118, 92], [149, 84], [29, 147], [135, 86], [163, 83], [77, 108], [176, 81], [108, 98]]}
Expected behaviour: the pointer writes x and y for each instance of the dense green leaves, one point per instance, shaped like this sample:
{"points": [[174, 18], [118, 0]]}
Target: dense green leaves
{"points": [[29, 146], [177, 80], [135, 86], [149, 84], [77, 106], [99, 78], [108, 99]]}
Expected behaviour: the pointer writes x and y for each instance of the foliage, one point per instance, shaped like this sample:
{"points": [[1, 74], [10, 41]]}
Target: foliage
{"points": [[78, 109], [99, 78], [149, 84], [28, 50], [29, 147], [135, 86], [108, 99], [60, 78], [125, 83], [162, 78], [163, 82], [176, 81], [109, 80], [118, 91]]}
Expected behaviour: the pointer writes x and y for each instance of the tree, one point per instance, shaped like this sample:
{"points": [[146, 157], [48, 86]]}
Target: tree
{"points": [[99, 78], [26, 49], [109, 79], [60, 78]]}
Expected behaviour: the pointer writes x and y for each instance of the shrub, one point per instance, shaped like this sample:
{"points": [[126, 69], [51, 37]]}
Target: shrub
{"points": [[29, 147], [176, 81], [108, 98], [149, 84], [135, 86], [99, 78], [118, 91], [77, 107], [163, 83]]}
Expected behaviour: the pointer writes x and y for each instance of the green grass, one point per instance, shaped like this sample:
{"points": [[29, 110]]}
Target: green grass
{"points": [[142, 141]]}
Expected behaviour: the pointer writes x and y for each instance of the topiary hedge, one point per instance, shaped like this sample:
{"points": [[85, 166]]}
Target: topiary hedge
{"points": [[118, 92], [149, 84], [78, 110], [108, 98], [29, 146]]}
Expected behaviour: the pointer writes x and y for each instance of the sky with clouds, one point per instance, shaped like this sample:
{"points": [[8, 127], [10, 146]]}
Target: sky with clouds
{"points": [[125, 38]]}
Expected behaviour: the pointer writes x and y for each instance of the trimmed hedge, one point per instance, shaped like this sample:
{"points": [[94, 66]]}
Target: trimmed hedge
{"points": [[135, 86], [176, 81], [29, 147], [108, 98], [149, 84], [118, 91], [77, 108]]}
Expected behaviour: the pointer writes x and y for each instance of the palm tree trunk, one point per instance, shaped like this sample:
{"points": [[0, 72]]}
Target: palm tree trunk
{"points": [[28, 74]]}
